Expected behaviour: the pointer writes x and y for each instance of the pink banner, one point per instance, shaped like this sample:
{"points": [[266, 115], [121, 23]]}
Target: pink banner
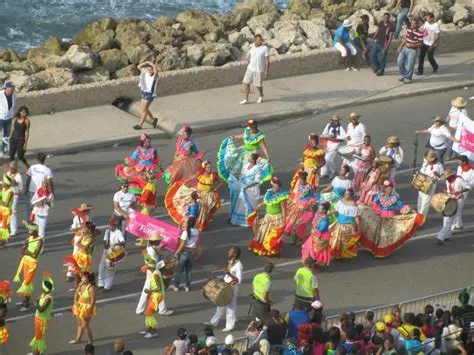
{"points": [[143, 226], [467, 140]]}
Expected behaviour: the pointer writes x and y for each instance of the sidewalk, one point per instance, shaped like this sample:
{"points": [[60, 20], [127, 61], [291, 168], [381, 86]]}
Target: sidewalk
{"points": [[219, 108]]}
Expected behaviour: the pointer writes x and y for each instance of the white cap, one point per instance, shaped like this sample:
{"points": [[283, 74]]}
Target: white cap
{"points": [[229, 340], [347, 23], [211, 341]]}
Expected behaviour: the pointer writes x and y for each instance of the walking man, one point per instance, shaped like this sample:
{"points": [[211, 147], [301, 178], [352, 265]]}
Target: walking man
{"points": [[7, 111], [405, 7], [408, 52], [336, 134], [262, 286], [434, 169], [258, 58], [306, 285], [124, 203], [35, 176], [466, 172], [382, 39], [233, 276], [431, 31]]}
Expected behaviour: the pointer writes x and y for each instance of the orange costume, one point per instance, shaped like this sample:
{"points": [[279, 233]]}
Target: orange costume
{"points": [[313, 160], [42, 316], [6, 197], [83, 257], [29, 263], [5, 294], [83, 307]]}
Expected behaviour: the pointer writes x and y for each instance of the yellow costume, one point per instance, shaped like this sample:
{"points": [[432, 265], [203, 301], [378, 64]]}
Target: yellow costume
{"points": [[83, 257], [83, 308], [157, 294], [38, 343], [313, 158], [29, 264], [6, 197]]}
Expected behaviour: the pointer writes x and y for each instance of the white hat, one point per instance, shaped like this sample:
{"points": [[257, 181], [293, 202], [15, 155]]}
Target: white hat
{"points": [[211, 341], [229, 340], [347, 23]]}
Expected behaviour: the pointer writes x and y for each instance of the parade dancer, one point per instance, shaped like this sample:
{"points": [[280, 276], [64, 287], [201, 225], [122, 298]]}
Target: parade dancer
{"points": [[5, 294], [82, 215], [44, 307], [336, 134], [85, 244], [147, 201], [316, 245], [42, 201], [372, 184], [30, 252], [6, 204], [362, 166], [393, 150], [434, 169], [466, 172], [84, 308], [17, 187], [233, 276], [113, 243], [312, 162]]}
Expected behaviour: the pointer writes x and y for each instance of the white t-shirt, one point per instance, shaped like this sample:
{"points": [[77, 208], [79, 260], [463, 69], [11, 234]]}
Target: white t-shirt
{"points": [[125, 200], [455, 115], [114, 237], [192, 241], [439, 136], [237, 270], [356, 133], [429, 30], [19, 182], [257, 57], [468, 177], [38, 173], [146, 82], [76, 222], [432, 170]]}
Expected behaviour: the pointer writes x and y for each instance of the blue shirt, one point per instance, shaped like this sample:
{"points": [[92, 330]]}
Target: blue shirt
{"points": [[295, 318], [344, 33], [193, 210]]}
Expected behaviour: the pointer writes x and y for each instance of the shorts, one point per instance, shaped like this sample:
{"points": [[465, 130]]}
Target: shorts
{"points": [[253, 77], [147, 96]]}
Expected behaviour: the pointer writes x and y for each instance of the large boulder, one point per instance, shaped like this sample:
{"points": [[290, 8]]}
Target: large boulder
{"points": [[257, 7], [366, 4], [80, 57], [289, 33], [53, 45], [18, 77], [445, 27], [195, 53], [303, 8], [113, 59], [355, 19], [9, 55], [170, 59], [39, 56], [130, 33], [248, 34], [26, 66], [236, 38], [460, 13], [56, 77], [262, 21], [96, 75], [138, 54], [127, 72], [277, 45], [163, 22], [318, 36], [89, 34], [103, 41], [421, 7], [198, 22], [239, 19]]}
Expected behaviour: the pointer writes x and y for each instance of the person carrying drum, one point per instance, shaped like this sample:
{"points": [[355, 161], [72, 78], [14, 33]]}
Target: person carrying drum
{"points": [[455, 188], [233, 276], [262, 286], [393, 150], [335, 134], [306, 285], [431, 170], [466, 172], [114, 248]]}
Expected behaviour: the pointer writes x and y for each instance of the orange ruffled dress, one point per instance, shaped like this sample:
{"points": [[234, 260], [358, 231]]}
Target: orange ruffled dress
{"points": [[312, 160]]}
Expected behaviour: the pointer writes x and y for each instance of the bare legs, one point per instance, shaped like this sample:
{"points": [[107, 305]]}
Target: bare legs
{"points": [[145, 112], [247, 91], [84, 326]]}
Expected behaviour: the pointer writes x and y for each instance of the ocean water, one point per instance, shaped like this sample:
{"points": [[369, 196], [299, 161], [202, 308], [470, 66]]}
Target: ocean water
{"points": [[28, 23]]}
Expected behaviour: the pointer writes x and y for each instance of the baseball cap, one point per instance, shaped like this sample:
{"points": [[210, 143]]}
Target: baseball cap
{"points": [[9, 85]]}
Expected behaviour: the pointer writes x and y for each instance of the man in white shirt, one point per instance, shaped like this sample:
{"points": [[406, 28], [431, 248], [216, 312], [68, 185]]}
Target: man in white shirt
{"points": [[35, 176], [233, 276], [393, 150], [7, 112], [335, 134], [17, 187], [434, 169], [257, 70], [431, 31], [456, 113], [455, 187], [355, 134], [148, 85], [466, 172], [439, 137], [124, 203], [113, 240]]}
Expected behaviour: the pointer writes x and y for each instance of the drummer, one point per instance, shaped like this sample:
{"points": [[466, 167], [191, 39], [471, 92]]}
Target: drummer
{"points": [[455, 188], [113, 240], [433, 169], [467, 173], [355, 132], [335, 134], [393, 150]]}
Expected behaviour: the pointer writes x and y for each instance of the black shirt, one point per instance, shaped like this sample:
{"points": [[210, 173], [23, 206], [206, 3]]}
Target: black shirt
{"points": [[276, 332], [405, 4], [9, 101], [383, 32]]}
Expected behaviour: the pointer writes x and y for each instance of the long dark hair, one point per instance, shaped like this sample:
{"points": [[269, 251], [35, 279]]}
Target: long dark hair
{"points": [[23, 109], [190, 225]]}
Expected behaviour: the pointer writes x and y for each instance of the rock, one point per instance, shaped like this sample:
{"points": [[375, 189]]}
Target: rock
{"points": [[3, 76], [80, 57], [89, 34], [378, 15], [266, 34], [274, 52], [245, 47], [9, 55], [258, 7], [319, 36], [211, 37], [113, 59], [96, 75], [236, 38], [445, 27], [239, 19], [446, 4], [295, 48], [53, 45], [138, 54], [248, 34], [289, 33], [355, 19], [38, 56], [216, 59], [290, 16], [262, 21], [423, 6], [460, 13], [170, 59], [178, 27], [365, 4], [163, 21], [18, 77], [127, 72], [278, 45], [198, 22], [6, 66], [447, 16], [461, 24], [131, 33], [195, 53], [303, 8], [104, 41], [26, 66], [56, 77], [237, 54]]}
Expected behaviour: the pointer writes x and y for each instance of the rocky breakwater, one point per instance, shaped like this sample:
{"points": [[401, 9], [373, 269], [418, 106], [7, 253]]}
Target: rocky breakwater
{"points": [[110, 49]]}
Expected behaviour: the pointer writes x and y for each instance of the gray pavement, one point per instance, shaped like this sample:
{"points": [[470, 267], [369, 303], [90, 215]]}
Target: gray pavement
{"points": [[420, 268]]}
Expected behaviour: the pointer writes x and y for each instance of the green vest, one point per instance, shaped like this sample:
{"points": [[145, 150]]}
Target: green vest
{"points": [[154, 285], [304, 286], [259, 283], [46, 314]]}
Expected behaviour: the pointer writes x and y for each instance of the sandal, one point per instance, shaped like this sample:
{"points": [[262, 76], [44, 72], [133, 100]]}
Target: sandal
{"points": [[74, 341], [137, 127], [155, 122]]}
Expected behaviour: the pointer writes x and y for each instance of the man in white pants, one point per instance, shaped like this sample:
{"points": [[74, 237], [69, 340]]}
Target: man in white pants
{"points": [[456, 113], [233, 276], [455, 188], [393, 150], [466, 172], [335, 134], [356, 133], [113, 239], [434, 169], [153, 250], [17, 187]]}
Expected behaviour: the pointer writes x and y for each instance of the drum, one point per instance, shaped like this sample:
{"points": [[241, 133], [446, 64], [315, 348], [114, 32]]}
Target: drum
{"points": [[359, 157], [345, 151], [117, 255], [444, 204], [422, 182], [171, 262], [218, 292]]}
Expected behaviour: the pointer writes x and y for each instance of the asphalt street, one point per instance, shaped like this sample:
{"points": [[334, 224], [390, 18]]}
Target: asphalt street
{"points": [[420, 268]]}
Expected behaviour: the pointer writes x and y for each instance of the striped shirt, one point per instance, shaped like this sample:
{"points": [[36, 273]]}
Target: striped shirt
{"points": [[413, 37]]}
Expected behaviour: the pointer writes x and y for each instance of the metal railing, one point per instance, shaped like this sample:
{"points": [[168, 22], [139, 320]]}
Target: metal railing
{"points": [[444, 300]]}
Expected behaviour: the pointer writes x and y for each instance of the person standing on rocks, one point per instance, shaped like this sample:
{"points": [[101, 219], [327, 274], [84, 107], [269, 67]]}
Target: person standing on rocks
{"points": [[148, 83], [342, 42], [382, 39], [431, 31], [405, 6], [257, 70], [7, 111]]}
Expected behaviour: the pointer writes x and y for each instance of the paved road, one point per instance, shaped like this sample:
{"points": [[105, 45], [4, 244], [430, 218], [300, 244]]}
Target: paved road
{"points": [[419, 269]]}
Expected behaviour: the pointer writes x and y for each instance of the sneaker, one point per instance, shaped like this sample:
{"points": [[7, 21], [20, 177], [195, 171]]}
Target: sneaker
{"points": [[168, 312], [209, 324], [407, 81], [143, 332], [379, 73], [137, 127], [19, 303], [419, 73], [186, 289], [260, 100], [73, 341], [458, 229], [435, 70], [150, 335], [25, 308], [347, 69], [243, 102], [401, 78], [227, 330], [355, 69], [155, 122], [439, 243], [173, 288]]}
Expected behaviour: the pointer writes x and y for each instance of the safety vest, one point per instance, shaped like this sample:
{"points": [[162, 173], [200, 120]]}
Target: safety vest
{"points": [[304, 285], [46, 314], [259, 283]]}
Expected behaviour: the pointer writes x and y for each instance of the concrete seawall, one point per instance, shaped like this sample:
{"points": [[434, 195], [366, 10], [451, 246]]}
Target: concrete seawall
{"points": [[201, 78]]}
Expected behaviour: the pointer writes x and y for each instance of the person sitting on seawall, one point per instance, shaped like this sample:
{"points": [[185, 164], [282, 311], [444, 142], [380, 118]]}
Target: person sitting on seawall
{"points": [[342, 42]]}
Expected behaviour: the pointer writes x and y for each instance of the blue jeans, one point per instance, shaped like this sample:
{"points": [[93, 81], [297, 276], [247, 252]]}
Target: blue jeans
{"points": [[5, 126], [185, 265], [406, 62], [378, 57], [440, 154], [401, 18], [368, 45]]}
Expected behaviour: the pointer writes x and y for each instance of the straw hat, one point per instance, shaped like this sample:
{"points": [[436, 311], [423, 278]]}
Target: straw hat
{"points": [[458, 102], [155, 237], [393, 140], [439, 119], [347, 23], [354, 116], [335, 118], [85, 207], [447, 174], [431, 156]]}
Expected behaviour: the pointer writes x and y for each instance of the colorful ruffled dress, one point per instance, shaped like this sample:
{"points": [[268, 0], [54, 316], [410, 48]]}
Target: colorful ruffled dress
{"points": [[83, 257], [382, 231], [312, 159], [344, 232], [38, 343], [317, 245], [299, 211], [361, 167], [5, 294], [186, 163], [232, 159], [83, 308], [370, 187], [268, 230], [339, 187], [147, 200]]}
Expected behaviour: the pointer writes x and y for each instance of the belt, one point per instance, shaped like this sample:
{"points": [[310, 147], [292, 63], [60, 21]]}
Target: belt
{"points": [[414, 48]]}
